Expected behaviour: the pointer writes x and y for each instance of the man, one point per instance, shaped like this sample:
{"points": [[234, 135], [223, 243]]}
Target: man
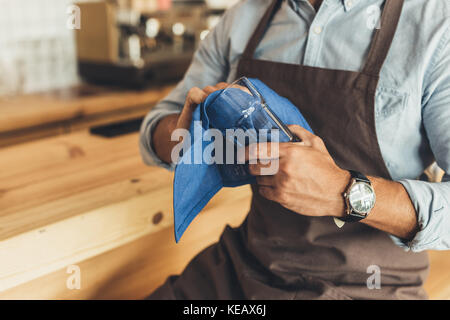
{"points": [[378, 97]]}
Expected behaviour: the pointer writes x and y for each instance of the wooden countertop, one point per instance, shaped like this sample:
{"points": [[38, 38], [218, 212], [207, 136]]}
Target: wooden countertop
{"points": [[27, 117], [76, 198]]}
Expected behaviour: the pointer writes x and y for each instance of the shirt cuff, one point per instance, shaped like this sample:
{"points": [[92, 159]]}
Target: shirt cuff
{"points": [[145, 141], [433, 215]]}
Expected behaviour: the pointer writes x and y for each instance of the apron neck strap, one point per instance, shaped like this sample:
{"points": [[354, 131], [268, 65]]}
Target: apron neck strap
{"points": [[383, 37], [380, 45], [258, 34]]}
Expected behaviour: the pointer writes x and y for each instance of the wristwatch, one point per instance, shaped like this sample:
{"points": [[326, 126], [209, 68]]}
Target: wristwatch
{"points": [[359, 198]]}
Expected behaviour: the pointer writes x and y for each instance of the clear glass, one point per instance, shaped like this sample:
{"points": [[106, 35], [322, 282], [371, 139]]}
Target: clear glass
{"points": [[262, 116]]}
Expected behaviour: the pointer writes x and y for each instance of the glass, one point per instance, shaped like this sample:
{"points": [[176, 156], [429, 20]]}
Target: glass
{"points": [[250, 110]]}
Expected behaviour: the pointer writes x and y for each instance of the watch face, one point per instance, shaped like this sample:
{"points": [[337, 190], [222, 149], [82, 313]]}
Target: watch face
{"points": [[362, 198]]}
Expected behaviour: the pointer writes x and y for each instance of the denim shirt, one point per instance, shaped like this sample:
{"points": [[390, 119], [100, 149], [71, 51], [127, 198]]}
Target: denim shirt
{"points": [[412, 107]]}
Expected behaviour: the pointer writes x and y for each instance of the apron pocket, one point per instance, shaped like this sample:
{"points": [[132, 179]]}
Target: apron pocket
{"points": [[389, 102]]}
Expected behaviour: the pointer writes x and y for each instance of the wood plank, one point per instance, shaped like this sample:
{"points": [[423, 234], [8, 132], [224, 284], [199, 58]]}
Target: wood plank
{"points": [[109, 118], [85, 195], [31, 134], [48, 248], [33, 110], [135, 269], [51, 180]]}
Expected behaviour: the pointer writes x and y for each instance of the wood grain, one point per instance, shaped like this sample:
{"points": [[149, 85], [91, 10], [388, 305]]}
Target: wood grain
{"points": [[75, 197], [438, 283], [86, 200], [35, 116], [26, 111], [134, 270], [45, 250], [57, 178]]}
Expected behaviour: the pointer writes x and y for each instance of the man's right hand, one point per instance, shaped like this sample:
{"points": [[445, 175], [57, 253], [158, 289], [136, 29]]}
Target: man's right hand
{"points": [[161, 138]]}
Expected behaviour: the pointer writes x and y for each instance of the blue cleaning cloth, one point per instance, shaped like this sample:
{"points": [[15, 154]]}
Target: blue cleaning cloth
{"points": [[197, 178]]}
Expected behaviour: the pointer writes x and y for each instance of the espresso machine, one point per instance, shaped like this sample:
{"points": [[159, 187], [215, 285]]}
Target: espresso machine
{"points": [[135, 43]]}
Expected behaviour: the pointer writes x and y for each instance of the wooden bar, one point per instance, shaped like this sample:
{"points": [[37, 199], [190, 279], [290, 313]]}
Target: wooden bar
{"points": [[35, 116], [135, 269], [75, 197]]}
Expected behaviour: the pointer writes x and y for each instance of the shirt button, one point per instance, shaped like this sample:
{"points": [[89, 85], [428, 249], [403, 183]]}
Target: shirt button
{"points": [[318, 30], [349, 3]]}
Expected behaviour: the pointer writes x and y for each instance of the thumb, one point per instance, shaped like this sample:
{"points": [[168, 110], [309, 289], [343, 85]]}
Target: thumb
{"points": [[301, 132], [309, 139]]}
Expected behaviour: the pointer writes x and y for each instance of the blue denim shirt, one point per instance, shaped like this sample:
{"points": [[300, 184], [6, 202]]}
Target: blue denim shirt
{"points": [[412, 100]]}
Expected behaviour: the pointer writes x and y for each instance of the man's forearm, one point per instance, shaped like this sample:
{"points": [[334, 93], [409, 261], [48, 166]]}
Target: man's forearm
{"points": [[394, 212], [161, 137]]}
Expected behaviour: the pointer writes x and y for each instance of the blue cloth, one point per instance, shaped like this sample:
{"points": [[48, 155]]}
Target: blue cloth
{"points": [[196, 179]]}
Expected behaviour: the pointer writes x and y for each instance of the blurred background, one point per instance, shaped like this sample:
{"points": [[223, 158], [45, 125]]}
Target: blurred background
{"points": [[37, 51], [81, 217], [124, 41]]}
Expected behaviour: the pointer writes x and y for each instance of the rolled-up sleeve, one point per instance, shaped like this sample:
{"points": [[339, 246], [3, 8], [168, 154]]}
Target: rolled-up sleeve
{"points": [[209, 66], [432, 200]]}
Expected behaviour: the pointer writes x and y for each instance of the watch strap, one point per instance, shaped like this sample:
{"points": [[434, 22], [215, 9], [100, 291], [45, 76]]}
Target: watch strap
{"points": [[359, 176], [352, 218]]}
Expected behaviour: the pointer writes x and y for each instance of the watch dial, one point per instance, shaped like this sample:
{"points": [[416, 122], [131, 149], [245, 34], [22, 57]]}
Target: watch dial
{"points": [[362, 197]]}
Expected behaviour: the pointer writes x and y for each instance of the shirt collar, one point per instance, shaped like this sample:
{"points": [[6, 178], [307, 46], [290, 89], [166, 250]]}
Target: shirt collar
{"points": [[348, 4]]}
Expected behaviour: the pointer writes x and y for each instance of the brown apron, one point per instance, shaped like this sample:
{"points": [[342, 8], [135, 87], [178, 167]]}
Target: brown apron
{"points": [[279, 254]]}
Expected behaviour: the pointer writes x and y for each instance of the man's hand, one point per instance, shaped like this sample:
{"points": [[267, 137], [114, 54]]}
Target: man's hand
{"points": [[161, 138], [310, 183], [308, 180]]}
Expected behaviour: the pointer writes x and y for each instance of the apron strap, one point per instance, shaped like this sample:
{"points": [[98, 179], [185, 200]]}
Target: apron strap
{"points": [[380, 45], [383, 37], [258, 34]]}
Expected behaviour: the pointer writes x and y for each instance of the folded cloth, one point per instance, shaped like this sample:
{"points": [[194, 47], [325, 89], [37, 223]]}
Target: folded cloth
{"points": [[199, 175]]}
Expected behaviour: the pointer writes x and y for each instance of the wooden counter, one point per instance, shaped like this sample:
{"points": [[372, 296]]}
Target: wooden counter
{"points": [[34, 116], [83, 200]]}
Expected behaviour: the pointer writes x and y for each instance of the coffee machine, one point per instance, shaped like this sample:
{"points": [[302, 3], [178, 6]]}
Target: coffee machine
{"points": [[134, 43]]}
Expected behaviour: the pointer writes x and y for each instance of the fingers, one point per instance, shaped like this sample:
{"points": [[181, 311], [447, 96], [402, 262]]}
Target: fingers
{"points": [[237, 86], [262, 151], [219, 86], [309, 139], [222, 85], [194, 97], [209, 89], [269, 168], [301, 132]]}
